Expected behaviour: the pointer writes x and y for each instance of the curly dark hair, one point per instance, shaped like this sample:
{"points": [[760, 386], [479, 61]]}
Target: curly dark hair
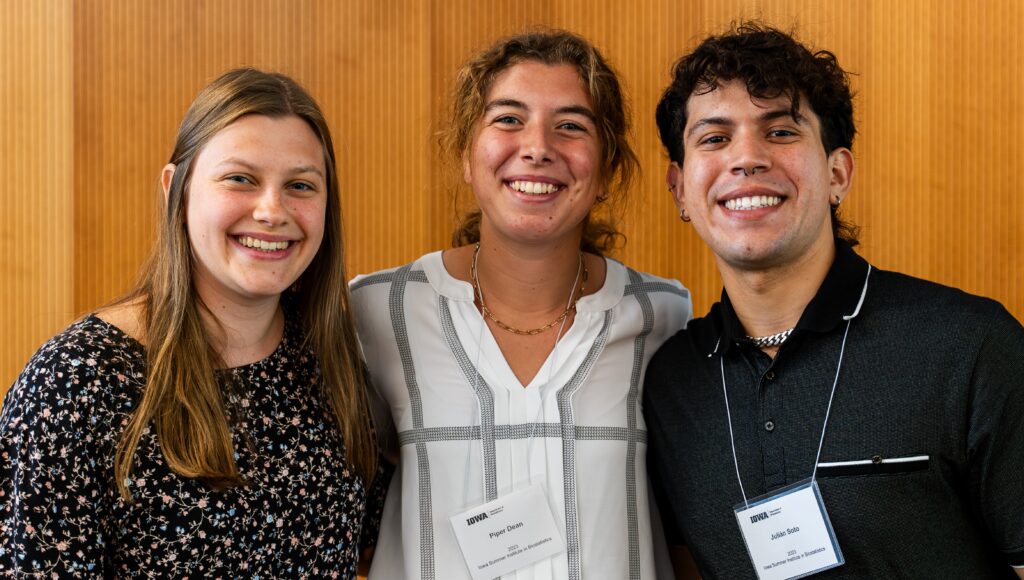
{"points": [[771, 63]]}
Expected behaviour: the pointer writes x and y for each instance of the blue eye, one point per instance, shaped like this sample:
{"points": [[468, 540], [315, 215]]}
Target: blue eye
{"points": [[572, 126], [238, 179], [506, 120], [302, 186]]}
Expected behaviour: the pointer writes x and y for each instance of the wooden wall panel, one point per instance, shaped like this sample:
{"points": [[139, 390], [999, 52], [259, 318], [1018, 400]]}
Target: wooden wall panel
{"points": [[36, 226], [92, 93]]}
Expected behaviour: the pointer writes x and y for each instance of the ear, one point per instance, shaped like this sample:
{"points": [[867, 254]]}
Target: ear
{"points": [[467, 172], [165, 179], [841, 167], [674, 179]]}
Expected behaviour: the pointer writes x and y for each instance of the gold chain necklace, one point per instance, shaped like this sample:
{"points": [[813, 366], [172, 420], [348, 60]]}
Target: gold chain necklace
{"points": [[580, 269]]}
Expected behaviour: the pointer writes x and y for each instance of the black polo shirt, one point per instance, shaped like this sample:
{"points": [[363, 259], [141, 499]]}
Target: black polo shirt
{"points": [[926, 424]]}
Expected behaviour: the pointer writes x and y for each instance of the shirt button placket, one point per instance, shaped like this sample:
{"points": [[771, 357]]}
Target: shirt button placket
{"points": [[774, 455]]}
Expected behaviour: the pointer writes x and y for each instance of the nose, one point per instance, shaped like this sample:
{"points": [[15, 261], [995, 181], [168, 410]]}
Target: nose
{"points": [[536, 146], [751, 155], [270, 209]]}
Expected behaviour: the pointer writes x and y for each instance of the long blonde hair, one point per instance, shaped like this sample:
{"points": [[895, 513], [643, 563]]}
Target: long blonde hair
{"points": [[182, 398]]}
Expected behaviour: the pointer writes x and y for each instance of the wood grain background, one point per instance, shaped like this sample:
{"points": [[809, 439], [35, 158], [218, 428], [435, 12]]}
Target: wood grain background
{"points": [[91, 92]]}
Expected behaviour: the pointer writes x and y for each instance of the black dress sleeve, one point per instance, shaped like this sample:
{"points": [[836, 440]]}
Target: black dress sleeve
{"points": [[52, 470], [375, 495]]}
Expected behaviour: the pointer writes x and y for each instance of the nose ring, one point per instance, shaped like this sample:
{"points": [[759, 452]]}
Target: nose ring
{"points": [[752, 171]]}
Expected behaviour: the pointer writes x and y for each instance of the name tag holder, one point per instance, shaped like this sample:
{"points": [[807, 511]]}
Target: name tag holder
{"points": [[788, 533], [507, 534]]}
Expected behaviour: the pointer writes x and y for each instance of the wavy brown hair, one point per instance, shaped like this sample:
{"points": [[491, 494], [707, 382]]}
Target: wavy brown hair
{"points": [[182, 398], [619, 165]]}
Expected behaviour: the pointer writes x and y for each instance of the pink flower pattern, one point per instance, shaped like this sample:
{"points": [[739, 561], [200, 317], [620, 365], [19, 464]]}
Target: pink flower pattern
{"points": [[305, 513]]}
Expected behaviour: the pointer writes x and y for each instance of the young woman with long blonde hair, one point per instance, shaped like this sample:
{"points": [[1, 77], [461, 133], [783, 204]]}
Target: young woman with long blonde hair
{"points": [[213, 422]]}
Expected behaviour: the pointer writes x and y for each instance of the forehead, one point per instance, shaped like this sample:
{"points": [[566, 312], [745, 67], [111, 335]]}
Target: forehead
{"points": [[730, 100], [281, 140], [539, 80]]}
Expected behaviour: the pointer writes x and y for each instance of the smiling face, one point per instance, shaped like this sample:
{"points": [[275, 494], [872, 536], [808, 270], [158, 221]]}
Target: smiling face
{"points": [[534, 162], [756, 181], [255, 208]]}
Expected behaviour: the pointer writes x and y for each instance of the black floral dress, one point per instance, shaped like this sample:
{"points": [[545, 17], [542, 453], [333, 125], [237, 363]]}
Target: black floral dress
{"points": [[305, 512]]}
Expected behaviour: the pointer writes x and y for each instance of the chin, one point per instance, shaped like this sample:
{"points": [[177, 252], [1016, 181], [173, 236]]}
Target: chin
{"points": [[749, 256]]}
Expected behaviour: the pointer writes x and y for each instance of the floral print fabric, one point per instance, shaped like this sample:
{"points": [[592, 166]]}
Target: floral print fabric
{"points": [[304, 512]]}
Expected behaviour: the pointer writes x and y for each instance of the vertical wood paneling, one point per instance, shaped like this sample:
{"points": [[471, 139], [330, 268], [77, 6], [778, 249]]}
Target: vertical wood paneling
{"points": [[92, 92], [36, 228]]}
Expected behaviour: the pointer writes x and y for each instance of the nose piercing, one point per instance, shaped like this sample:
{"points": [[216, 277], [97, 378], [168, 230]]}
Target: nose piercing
{"points": [[752, 171]]}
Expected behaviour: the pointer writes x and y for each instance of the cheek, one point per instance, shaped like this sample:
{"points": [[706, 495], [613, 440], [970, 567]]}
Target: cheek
{"points": [[696, 180], [311, 216], [488, 154], [585, 164]]}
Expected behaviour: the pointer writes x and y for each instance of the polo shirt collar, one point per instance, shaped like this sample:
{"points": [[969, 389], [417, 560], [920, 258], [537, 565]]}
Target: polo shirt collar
{"points": [[839, 295]]}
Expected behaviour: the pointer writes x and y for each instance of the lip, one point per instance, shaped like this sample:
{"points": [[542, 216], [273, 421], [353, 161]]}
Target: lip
{"points": [[263, 236], [263, 254], [536, 178], [750, 215], [749, 191], [534, 197]]}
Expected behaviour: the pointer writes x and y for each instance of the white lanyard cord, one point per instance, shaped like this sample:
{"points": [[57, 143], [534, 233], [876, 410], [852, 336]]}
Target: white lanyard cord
{"points": [[828, 409], [728, 416]]}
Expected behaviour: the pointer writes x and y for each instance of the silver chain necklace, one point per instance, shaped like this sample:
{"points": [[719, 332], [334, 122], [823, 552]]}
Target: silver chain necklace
{"points": [[771, 340]]}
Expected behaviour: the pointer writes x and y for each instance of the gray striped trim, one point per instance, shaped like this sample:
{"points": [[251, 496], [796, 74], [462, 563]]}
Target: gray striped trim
{"points": [[484, 396], [385, 277], [638, 286], [517, 431], [565, 412], [632, 517], [396, 301]]}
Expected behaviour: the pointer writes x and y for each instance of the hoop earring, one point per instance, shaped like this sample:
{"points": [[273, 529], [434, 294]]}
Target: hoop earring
{"points": [[683, 215]]}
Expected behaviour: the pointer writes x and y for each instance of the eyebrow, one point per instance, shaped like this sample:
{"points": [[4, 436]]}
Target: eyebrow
{"points": [[568, 109], [294, 170], [766, 116]]}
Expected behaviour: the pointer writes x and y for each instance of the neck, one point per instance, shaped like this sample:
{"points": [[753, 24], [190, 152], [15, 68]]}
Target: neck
{"points": [[528, 281], [243, 333], [771, 300]]}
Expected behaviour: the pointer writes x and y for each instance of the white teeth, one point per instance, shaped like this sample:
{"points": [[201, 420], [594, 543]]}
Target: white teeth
{"points": [[262, 245], [754, 202], [533, 187]]}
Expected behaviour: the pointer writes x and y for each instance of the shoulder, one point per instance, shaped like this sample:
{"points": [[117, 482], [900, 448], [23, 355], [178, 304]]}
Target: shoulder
{"points": [[382, 280], [125, 317], [632, 282], [682, 355], [379, 296], [88, 370], [934, 307]]}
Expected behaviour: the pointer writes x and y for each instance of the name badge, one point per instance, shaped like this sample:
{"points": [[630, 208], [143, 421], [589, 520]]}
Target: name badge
{"points": [[788, 533], [509, 533]]}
